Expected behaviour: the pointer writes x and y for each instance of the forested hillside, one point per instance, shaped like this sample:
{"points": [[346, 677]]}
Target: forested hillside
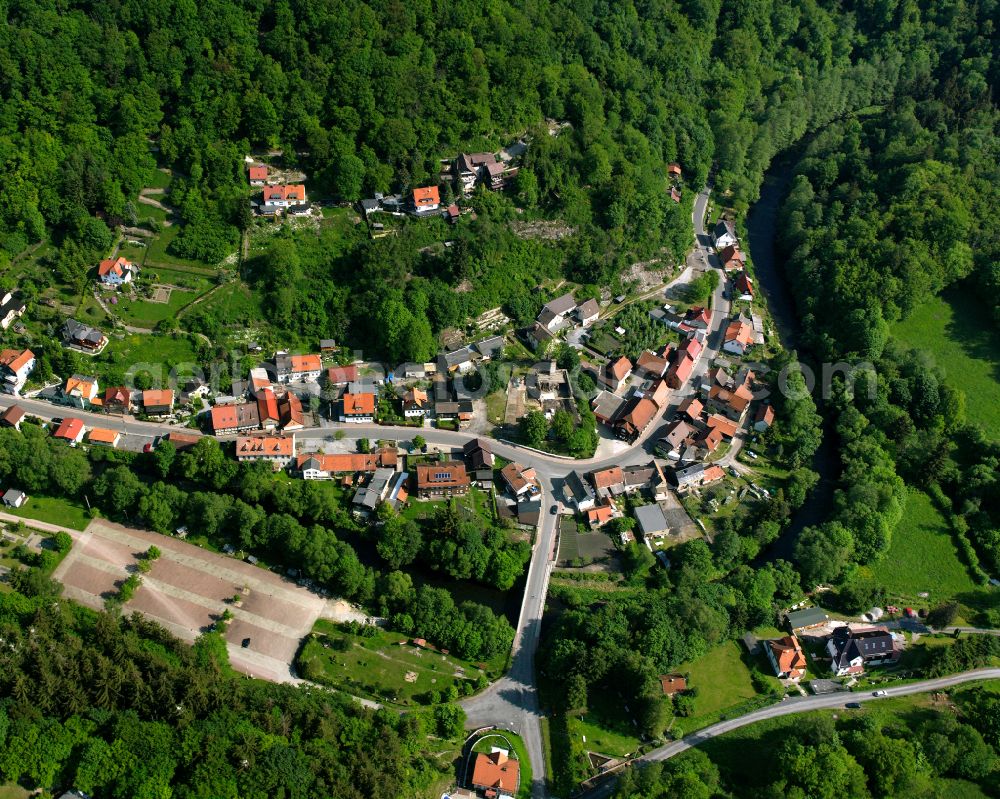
{"points": [[118, 708], [367, 97]]}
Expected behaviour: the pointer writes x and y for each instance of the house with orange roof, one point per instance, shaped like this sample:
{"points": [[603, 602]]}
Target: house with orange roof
{"points": [[15, 366], [442, 479], [636, 419], [727, 427], [358, 408], [599, 516], [521, 479], [738, 338], [267, 409], [615, 374], [70, 430], [426, 199], [12, 417], [297, 368], [679, 371], [290, 412], [743, 286], [733, 404], [258, 174], [415, 403], [238, 418], [650, 364], [732, 258], [659, 393], [787, 658], [608, 482], [672, 684], [690, 408], [158, 402], [278, 198], [116, 271], [276, 450], [103, 437], [80, 391], [496, 772], [764, 418]]}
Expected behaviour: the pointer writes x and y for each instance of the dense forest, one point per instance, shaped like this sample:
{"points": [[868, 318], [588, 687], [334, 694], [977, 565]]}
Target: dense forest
{"points": [[118, 708], [369, 97], [910, 751]]}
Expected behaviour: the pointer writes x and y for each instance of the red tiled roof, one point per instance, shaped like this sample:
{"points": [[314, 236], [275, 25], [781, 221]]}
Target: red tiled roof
{"points": [[70, 429], [342, 462], [620, 368], [100, 435], [15, 360], [291, 192], [495, 771], [725, 426], [258, 172], [359, 404], [113, 266], [158, 397], [600, 515], [737, 331], [267, 406], [426, 195], [13, 415], [691, 407], [342, 374], [450, 474], [117, 395], [712, 473], [262, 446], [606, 478], [306, 363]]}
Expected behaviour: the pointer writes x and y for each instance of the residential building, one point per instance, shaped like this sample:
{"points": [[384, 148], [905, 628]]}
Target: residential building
{"points": [[497, 175], [554, 312], [14, 498], [607, 407], [259, 379], [853, 650], [695, 475], [806, 619], [15, 367], [520, 479], [267, 409], [116, 271], [460, 411], [724, 234], [650, 364], [358, 408], [117, 399], [659, 393], [276, 450], [318, 466], [238, 418], [158, 402], [652, 522], [743, 287], [636, 419], [726, 427], [490, 348], [787, 658], [297, 368], [636, 478], [587, 312], [738, 338], [342, 375], [732, 258], [674, 171], [79, 391], [495, 772], [443, 479], [478, 453], [679, 372], [600, 516], [426, 199], [678, 432], [708, 439], [290, 412], [70, 430], [12, 306], [538, 335], [459, 360], [578, 492], [385, 485], [103, 437], [415, 403], [469, 168], [608, 482], [672, 684], [182, 441], [763, 418], [278, 198], [258, 174], [697, 318], [615, 374], [690, 409], [83, 336], [452, 214], [732, 404], [12, 417]]}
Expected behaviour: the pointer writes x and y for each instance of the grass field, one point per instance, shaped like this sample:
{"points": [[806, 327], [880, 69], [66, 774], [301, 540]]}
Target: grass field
{"points": [[13, 792], [142, 313], [606, 727], [958, 332], [165, 350], [158, 255], [722, 678], [53, 510], [922, 557], [379, 667]]}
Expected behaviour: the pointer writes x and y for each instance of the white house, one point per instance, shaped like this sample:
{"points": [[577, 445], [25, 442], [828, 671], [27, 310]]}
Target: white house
{"points": [[14, 498], [116, 271], [297, 368], [11, 307], [277, 198], [724, 234], [15, 366], [738, 338], [587, 312], [415, 403]]}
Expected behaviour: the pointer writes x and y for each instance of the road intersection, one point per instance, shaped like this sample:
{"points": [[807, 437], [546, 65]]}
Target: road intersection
{"points": [[511, 702]]}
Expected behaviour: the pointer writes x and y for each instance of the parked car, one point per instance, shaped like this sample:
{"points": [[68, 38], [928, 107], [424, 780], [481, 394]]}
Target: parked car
{"points": [[554, 509], [853, 705], [751, 454], [879, 693]]}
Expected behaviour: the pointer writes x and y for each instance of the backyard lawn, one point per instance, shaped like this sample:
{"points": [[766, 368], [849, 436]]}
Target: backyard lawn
{"points": [[957, 330], [723, 681], [143, 313], [606, 726], [53, 510], [922, 558], [379, 667]]}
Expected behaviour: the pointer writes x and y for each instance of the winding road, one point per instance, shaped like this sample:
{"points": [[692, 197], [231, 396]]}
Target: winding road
{"points": [[512, 701]]}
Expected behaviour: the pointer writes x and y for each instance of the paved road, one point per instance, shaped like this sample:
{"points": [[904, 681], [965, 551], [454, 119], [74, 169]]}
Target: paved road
{"points": [[788, 707], [512, 701]]}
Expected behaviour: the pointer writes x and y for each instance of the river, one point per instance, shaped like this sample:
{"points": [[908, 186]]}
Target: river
{"points": [[762, 225]]}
